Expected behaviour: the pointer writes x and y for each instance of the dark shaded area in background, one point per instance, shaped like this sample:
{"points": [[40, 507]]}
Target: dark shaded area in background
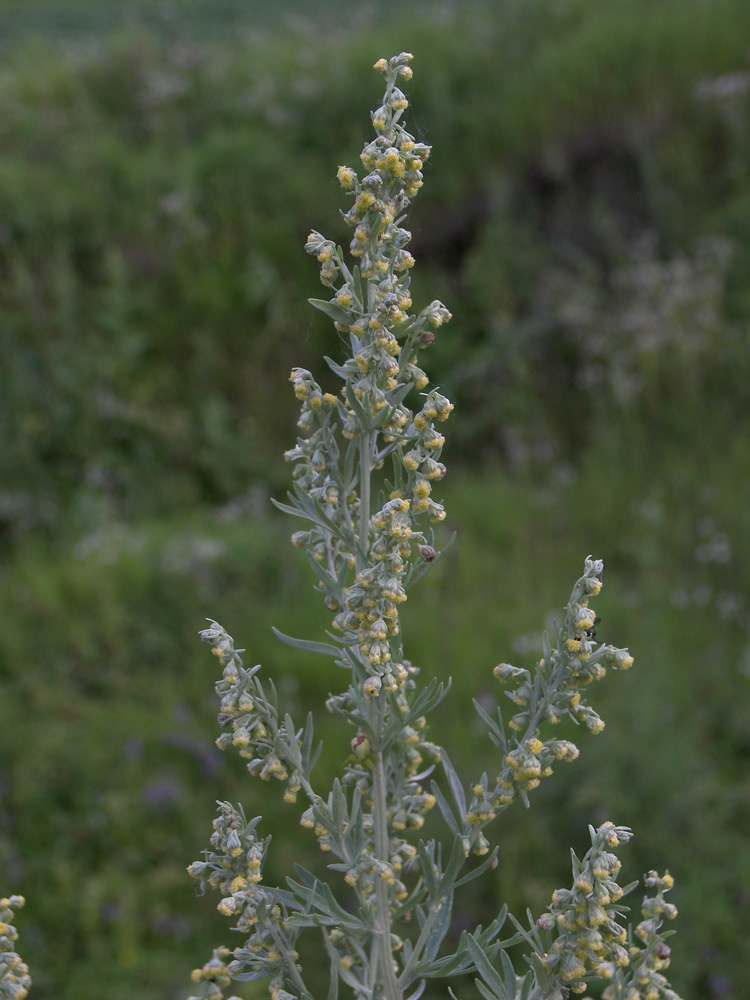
{"points": [[586, 217]]}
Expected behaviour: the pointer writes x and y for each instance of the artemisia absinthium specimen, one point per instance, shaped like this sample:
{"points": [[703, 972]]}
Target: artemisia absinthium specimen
{"points": [[365, 468]]}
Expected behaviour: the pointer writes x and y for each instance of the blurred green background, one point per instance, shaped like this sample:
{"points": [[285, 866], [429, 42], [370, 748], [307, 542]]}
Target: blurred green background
{"points": [[586, 217]]}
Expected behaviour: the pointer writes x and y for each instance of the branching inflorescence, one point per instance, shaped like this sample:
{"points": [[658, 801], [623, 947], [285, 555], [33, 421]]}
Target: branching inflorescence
{"points": [[364, 472]]}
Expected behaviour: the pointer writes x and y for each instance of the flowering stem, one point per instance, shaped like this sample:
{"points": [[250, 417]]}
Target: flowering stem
{"points": [[367, 543], [377, 714]]}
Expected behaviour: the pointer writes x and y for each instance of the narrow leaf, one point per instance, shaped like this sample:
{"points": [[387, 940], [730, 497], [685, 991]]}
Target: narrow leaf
{"points": [[338, 806], [307, 645], [362, 418], [488, 720], [427, 699], [454, 866], [455, 786], [510, 972], [320, 570], [338, 910], [547, 651], [428, 869], [306, 878], [440, 927], [307, 741], [333, 989], [479, 870], [294, 511], [418, 991], [315, 756], [484, 967], [349, 459], [335, 312], [525, 987], [357, 284], [489, 994], [399, 393], [252, 977], [444, 807], [341, 372]]}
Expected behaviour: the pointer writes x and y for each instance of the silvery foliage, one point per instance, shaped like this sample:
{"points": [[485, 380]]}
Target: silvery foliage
{"points": [[365, 467]]}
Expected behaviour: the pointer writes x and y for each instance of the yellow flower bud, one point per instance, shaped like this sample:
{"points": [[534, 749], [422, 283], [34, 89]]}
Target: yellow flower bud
{"points": [[346, 177]]}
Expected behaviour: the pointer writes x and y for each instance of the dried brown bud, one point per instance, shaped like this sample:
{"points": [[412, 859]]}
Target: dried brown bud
{"points": [[427, 552]]}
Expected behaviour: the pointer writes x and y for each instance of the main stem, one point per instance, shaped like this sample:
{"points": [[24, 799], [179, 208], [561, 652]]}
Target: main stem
{"points": [[377, 720], [382, 852]]}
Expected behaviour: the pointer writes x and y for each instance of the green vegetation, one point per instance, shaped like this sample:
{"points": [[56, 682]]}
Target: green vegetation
{"points": [[154, 173], [155, 190]]}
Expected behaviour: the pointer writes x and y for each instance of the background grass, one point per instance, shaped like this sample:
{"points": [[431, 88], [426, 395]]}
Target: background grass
{"points": [[586, 216]]}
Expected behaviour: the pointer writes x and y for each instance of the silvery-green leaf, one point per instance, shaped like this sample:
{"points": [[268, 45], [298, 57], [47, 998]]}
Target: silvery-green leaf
{"points": [[417, 992], [440, 927], [427, 699], [363, 418], [479, 870], [485, 968], [526, 985], [337, 369], [547, 650], [333, 989], [338, 805], [307, 645], [488, 720], [399, 393], [334, 311], [455, 786], [307, 739], [510, 973], [444, 807], [455, 863], [489, 994], [349, 462], [356, 280], [252, 977], [287, 509], [427, 865]]}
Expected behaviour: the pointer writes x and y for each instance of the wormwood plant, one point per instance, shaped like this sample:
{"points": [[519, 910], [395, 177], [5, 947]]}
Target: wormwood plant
{"points": [[364, 471]]}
